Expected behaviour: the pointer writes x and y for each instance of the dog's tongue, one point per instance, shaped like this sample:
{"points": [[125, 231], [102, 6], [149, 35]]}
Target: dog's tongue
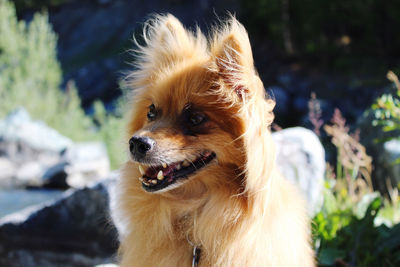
{"points": [[153, 171]]}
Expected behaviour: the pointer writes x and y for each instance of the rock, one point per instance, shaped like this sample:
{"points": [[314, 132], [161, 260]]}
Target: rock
{"points": [[35, 155], [81, 164], [301, 159], [385, 168], [20, 128], [29, 174], [392, 153], [72, 231], [87, 162], [7, 170], [56, 176]]}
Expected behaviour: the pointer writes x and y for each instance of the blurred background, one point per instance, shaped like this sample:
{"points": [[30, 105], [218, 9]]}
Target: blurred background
{"points": [[331, 66]]}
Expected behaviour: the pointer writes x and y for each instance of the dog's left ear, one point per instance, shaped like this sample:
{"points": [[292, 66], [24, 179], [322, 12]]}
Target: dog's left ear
{"points": [[232, 53]]}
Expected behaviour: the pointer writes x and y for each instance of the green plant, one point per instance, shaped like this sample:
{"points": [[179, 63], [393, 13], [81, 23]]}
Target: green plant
{"points": [[353, 165], [386, 111], [355, 226], [30, 76], [111, 131], [343, 238]]}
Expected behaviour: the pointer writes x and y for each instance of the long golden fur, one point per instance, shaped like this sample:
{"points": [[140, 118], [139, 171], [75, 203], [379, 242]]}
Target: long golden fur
{"points": [[237, 209]]}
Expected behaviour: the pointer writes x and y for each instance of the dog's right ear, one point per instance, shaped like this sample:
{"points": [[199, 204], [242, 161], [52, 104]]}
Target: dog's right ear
{"points": [[167, 43]]}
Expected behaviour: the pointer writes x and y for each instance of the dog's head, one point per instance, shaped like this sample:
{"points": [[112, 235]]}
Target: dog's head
{"points": [[198, 107]]}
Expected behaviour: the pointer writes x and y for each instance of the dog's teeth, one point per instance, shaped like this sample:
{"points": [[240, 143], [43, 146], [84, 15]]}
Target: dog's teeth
{"points": [[164, 165], [178, 167], [153, 181], [185, 163], [141, 179], [141, 170], [160, 175], [146, 183]]}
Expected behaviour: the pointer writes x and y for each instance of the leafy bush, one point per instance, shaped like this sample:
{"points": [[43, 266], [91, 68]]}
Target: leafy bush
{"points": [[343, 237], [111, 131], [30, 76], [353, 165], [386, 111], [356, 226]]}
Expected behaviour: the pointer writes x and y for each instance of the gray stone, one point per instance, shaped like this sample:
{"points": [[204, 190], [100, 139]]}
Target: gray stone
{"points": [[74, 230], [20, 128], [56, 176], [38, 156], [7, 172], [387, 167], [29, 174], [20, 153], [87, 163], [301, 159]]}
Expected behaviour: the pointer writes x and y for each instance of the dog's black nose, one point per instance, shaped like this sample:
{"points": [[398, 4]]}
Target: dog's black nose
{"points": [[140, 145]]}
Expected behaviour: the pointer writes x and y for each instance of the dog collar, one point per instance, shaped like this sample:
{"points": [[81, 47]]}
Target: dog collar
{"points": [[195, 253], [196, 256]]}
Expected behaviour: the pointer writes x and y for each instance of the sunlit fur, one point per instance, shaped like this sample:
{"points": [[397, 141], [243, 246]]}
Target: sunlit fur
{"points": [[238, 209]]}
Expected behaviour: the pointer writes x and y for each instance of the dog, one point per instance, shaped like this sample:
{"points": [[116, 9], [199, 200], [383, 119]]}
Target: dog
{"points": [[201, 187]]}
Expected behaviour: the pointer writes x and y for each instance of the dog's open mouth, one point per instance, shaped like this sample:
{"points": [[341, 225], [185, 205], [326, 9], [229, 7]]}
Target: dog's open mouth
{"points": [[155, 178]]}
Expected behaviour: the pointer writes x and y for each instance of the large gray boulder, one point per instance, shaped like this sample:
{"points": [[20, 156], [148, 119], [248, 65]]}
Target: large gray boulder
{"points": [[86, 163], [27, 148], [386, 168], [34, 155], [18, 127], [300, 157], [74, 230]]}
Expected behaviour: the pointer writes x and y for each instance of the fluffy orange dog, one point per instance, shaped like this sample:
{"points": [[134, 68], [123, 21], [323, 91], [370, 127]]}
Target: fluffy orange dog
{"points": [[202, 181]]}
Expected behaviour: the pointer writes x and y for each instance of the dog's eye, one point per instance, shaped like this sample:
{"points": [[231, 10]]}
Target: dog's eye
{"points": [[196, 118], [152, 114]]}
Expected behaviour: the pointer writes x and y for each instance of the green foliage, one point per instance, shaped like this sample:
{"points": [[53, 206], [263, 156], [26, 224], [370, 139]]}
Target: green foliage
{"points": [[386, 108], [111, 131], [351, 234], [386, 111], [30, 76], [356, 226]]}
